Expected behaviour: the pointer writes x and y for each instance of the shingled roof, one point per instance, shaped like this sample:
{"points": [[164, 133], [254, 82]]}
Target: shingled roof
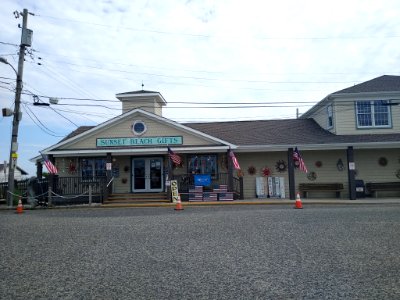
{"points": [[284, 132], [275, 132], [385, 83]]}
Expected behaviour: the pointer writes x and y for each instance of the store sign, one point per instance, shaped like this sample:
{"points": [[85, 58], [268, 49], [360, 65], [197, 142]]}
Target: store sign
{"points": [[139, 141], [174, 191]]}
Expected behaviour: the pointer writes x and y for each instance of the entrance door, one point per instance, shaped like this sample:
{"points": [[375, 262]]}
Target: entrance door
{"points": [[147, 174]]}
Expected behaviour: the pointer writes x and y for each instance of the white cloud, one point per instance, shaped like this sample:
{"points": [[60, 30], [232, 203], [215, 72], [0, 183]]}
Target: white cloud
{"points": [[205, 51]]}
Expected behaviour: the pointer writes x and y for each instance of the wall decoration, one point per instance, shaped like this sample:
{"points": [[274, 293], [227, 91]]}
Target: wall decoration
{"points": [[251, 170], [383, 161], [124, 180], [398, 173], [280, 166], [318, 164], [126, 168], [266, 171], [340, 165], [72, 167], [312, 176]]}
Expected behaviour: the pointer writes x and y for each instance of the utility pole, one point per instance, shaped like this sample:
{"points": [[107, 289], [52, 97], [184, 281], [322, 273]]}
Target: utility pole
{"points": [[26, 36]]}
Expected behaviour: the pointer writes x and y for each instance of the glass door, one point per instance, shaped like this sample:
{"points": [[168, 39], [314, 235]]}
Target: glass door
{"points": [[147, 174]]}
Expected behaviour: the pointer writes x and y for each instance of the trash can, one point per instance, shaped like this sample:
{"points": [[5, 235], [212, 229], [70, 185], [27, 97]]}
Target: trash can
{"points": [[360, 189]]}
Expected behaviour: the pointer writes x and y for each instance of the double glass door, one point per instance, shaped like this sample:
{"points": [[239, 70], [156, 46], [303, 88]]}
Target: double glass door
{"points": [[147, 174]]}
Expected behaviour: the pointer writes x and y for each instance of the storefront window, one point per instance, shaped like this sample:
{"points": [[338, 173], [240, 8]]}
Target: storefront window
{"points": [[203, 164], [93, 167]]}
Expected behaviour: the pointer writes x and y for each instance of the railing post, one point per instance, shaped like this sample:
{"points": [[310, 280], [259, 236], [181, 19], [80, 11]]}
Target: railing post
{"points": [[50, 187], [241, 186], [90, 194]]}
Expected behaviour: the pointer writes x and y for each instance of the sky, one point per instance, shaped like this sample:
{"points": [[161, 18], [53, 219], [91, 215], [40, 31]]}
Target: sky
{"points": [[211, 60]]}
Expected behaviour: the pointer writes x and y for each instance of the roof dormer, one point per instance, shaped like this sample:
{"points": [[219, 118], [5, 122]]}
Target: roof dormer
{"points": [[147, 100]]}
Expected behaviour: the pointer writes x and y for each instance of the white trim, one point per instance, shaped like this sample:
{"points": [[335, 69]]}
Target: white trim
{"points": [[120, 152]]}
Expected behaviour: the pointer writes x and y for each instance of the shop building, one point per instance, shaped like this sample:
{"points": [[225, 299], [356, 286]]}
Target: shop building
{"points": [[349, 140]]}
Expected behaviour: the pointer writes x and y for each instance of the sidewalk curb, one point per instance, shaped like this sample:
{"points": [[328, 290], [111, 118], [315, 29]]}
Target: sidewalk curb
{"points": [[305, 202]]}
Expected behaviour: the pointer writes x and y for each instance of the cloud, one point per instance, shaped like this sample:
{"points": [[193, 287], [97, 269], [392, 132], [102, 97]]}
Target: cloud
{"points": [[204, 51]]}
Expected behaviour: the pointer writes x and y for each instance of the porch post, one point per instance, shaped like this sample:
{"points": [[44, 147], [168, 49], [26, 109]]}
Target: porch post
{"points": [[241, 188], [230, 173], [39, 170], [108, 190], [169, 194], [351, 173], [292, 183]]}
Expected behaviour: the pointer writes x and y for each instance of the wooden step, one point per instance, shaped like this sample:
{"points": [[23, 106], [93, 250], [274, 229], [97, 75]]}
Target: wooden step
{"points": [[136, 198]]}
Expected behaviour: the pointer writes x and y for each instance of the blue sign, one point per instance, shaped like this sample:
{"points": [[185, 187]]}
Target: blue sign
{"points": [[202, 179]]}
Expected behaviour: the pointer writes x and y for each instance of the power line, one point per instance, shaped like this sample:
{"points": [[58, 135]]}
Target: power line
{"points": [[207, 36], [39, 123]]}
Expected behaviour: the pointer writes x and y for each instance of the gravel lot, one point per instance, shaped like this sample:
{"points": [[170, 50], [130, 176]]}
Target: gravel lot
{"points": [[230, 252]]}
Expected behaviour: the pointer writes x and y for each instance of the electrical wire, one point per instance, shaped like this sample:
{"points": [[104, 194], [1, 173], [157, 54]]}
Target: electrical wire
{"points": [[39, 123]]}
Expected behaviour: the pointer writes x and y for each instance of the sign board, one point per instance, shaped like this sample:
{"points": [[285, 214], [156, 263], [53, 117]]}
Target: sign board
{"points": [[139, 141], [352, 166], [108, 166], [174, 191]]}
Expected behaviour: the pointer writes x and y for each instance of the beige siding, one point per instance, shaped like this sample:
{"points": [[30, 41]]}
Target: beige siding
{"points": [[367, 166], [124, 164], [150, 105], [123, 129], [321, 117], [346, 118]]}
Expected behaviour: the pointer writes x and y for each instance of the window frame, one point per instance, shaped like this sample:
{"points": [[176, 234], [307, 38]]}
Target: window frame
{"points": [[372, 114], [95, 171], [329, 112], [199, 156]]}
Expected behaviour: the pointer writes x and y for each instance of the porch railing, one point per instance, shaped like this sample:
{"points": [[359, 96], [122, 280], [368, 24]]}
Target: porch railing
{"points": [[65, 190]]}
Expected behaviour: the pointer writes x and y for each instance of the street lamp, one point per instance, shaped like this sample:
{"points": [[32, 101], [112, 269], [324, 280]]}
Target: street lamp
{"points": [[4, 61]]}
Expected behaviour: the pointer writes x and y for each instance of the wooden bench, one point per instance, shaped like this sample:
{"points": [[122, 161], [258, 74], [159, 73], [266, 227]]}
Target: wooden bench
{"points": [[320, 187], [374, 187]]}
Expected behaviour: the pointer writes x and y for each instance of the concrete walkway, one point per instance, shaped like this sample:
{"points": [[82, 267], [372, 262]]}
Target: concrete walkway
{"points": [[305, 203]]}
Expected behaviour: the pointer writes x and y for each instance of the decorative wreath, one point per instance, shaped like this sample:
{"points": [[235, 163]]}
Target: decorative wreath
{"points": [[318, 164], [398, 173], [266, 171], [251, 170], [280, 166], [382, 161], [312, 176], [71, 167]]}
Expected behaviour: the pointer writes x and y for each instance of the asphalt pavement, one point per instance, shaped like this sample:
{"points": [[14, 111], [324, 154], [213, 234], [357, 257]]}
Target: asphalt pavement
{"points": [[203, 252]]}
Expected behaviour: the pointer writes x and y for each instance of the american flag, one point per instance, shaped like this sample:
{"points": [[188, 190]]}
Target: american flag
{"points": [[297, 157], [234, 160], [49, 165], [174, 157]]}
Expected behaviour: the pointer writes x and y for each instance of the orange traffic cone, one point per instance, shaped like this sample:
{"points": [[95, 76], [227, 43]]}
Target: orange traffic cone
{"points": [[179, 204], [298, 202], [20, 208]]}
